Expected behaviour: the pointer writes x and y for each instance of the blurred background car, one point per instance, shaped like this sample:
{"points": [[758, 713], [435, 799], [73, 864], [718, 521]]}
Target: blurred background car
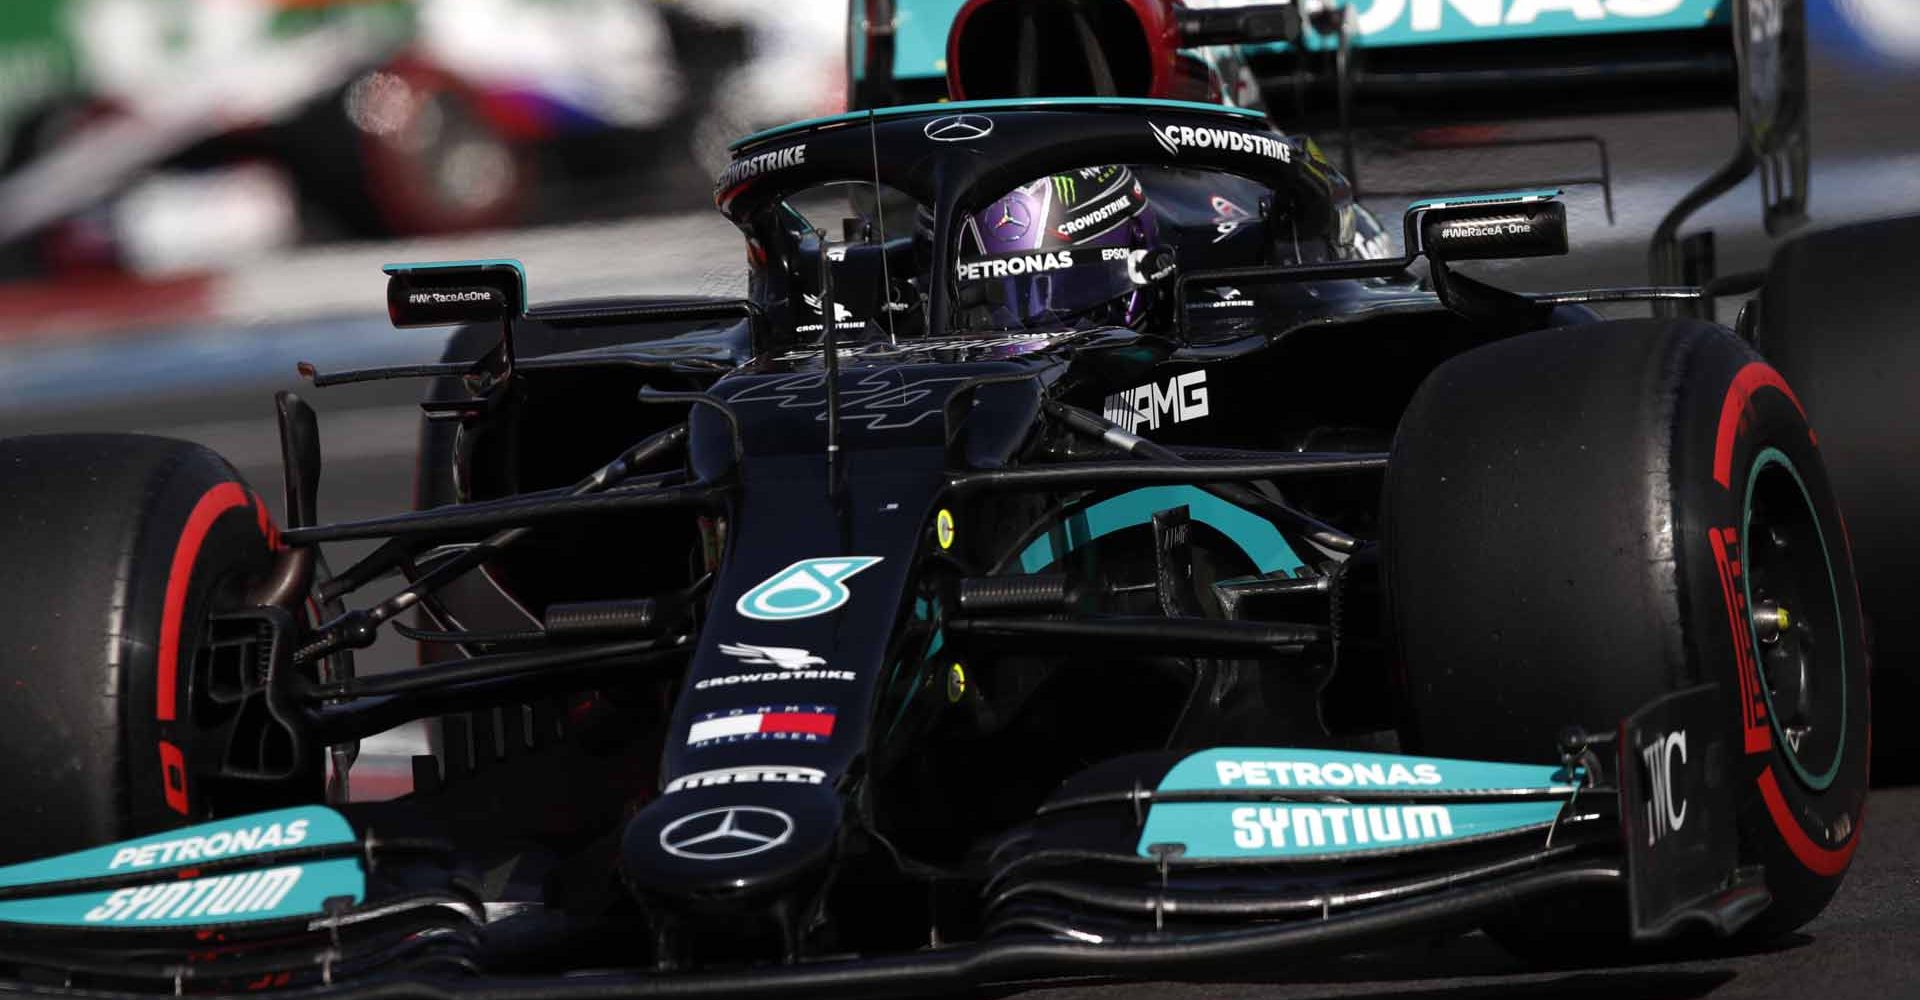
{"points": [[152, 136]]}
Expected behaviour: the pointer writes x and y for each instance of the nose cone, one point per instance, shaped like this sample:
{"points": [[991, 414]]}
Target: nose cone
{"points": [[718, 844]]}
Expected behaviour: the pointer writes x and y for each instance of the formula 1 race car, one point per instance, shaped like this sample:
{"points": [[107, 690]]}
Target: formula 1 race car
{"points": [[1087, 551]]}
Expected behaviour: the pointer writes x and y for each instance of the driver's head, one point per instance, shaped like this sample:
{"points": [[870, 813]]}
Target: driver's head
{"points": [[1077, 247]]}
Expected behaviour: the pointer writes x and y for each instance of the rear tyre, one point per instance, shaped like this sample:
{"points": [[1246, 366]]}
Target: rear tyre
{"points": [[1838, 320], [120, 715], [1581, 520]]}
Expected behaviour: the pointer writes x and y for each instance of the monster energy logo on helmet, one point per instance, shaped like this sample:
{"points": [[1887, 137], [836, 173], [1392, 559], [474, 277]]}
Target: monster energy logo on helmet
{"points": [[1066, 187]]}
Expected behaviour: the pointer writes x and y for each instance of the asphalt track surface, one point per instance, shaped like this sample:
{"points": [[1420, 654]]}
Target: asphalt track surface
{"points": [[215, 386]]}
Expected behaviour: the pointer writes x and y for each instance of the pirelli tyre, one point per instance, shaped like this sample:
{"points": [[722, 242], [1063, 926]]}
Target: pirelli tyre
{"points": [[119, 714], [1581, 520], [1838, 319]]}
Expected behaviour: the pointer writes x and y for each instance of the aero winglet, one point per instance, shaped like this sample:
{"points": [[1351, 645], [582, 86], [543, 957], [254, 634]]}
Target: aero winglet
{"points": [[1678, 817]]}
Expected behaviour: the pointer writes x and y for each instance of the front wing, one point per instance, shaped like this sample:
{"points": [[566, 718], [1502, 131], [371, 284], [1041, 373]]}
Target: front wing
{"points": [[1144, 866]]}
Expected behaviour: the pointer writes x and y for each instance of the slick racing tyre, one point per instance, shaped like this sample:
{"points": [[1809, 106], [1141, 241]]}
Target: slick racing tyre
{"points": [[1838, 320], [120, 714], [1579, 521]]}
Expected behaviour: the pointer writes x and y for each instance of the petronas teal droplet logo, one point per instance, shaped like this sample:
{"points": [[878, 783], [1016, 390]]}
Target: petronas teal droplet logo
{"points": [[806, 588]]}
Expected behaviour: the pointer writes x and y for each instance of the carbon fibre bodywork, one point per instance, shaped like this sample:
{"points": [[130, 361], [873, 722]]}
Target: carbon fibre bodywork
{"points": [[940, 657]]}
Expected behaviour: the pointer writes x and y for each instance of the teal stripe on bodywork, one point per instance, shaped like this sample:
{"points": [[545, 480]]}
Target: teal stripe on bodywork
{"points": [[447, 265], [1302, 831], [442, 265], [1331, 828], [257, 833], [1489, 198], [923, 609], [277, 892], [1405, 23], [1330, 771], [921, 26], [1255, 535], [989, 107], [919, 36]]}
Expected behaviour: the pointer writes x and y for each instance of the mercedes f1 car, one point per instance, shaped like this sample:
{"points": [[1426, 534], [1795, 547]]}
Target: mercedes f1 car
{"points": [[1088, 550]]}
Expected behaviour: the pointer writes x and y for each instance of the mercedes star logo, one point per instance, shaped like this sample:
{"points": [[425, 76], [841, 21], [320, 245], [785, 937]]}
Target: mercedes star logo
{"points": [[959, 128], [1014, 214], [727, 832]]}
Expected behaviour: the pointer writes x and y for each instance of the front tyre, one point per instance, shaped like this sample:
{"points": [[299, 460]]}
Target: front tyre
{"points": [[1581, 520], [123, 712]]}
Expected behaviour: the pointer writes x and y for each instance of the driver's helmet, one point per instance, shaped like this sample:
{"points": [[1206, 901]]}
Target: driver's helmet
{"points": [[1079, 247]]}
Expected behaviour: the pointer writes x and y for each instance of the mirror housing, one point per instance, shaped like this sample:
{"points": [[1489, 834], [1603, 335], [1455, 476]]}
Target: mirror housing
{"points": [[446, 293], [1488, 227], [1464, 227]]}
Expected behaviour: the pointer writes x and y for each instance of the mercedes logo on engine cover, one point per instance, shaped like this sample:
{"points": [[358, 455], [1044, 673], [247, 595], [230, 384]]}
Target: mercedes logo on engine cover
{"points": [[727, 832], [959, 128]]}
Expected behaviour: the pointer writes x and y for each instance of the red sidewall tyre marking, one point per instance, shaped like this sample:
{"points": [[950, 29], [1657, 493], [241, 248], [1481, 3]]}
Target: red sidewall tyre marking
{"points": [[1746, 382], [1757, 732], [215, 502], [1819, 860], [268, 530], [1751, 378]]}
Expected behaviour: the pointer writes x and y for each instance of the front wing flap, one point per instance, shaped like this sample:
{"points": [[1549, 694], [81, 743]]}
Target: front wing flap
{"points": [[1142, 866], [1677, 819]]}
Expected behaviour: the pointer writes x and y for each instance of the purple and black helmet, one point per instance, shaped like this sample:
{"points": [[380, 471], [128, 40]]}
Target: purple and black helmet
{"points": [[1069, 247]]}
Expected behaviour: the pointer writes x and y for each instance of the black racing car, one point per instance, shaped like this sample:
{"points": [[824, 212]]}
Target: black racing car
{"points": [[1083, 552]]}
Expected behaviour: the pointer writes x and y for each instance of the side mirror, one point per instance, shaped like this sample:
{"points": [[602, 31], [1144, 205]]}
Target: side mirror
{"points": [[1488, 227], [1443, 230], [451, 292]]}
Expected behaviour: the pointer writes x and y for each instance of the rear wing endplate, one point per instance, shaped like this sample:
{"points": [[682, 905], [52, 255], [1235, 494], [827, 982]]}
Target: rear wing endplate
{"points": [[1467, 61]]}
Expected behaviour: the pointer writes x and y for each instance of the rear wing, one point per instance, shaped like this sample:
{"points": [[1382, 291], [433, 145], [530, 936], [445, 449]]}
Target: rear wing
{"points": [[1438, 60], [1409, 63], [1468, 79], [1401, 62], [1430, 27]]}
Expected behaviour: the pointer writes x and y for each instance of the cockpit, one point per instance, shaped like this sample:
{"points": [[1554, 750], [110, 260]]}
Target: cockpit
{"points": [[928, 226]]}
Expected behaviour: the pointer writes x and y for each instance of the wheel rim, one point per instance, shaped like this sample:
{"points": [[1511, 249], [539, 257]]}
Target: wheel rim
{"points": [[1799, 640]]}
